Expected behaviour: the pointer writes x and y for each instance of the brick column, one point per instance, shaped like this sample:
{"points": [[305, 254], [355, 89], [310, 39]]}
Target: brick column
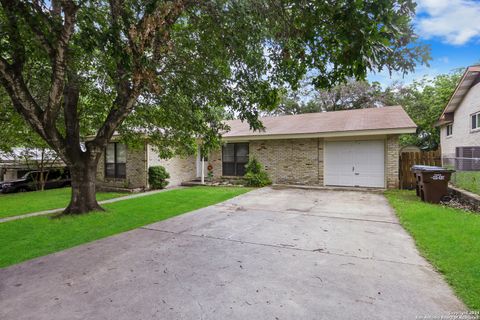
{"points": [[392, 154]]}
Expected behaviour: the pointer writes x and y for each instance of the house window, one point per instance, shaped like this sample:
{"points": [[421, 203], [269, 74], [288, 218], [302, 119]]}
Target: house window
{"points": [[449, 129], [234, 159], [475, 121], [115, 160]]}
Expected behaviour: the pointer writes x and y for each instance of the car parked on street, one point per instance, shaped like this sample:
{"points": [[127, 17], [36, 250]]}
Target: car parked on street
{"points": [[54, 178]]}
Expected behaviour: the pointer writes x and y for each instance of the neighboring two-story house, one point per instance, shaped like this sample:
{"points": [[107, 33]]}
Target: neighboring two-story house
{"points": [[460, 124]]}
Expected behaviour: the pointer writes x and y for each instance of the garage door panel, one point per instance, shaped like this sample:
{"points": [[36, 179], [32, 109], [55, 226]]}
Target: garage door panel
{"points": [[339, 158], [355, 163], [369, 162], [370, 180]]}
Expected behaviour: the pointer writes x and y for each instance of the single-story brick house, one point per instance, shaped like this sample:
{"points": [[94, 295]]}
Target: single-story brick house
{"points": [[342, 148], [460, 124], [15, 164]]}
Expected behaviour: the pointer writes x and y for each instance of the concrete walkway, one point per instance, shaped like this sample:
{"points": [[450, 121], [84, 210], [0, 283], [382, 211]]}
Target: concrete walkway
{"points": [[45, 212], [268, 254]]}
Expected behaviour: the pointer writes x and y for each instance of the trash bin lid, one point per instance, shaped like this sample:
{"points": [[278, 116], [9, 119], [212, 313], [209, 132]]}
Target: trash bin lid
{"points": [[429, 168]]}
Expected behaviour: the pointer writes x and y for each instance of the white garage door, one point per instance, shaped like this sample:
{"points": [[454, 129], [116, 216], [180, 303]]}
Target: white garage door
{"points": [[355, 163]]}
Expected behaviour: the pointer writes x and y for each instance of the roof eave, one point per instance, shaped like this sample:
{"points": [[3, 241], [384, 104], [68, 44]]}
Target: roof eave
{"points": [[449, 107], [446, 118], [351, 133]]}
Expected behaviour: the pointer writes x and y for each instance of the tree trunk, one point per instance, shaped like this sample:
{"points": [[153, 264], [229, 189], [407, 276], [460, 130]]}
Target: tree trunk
{"points": [[83, 189]]}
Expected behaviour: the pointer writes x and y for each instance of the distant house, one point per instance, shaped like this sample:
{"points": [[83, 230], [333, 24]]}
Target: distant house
{"points": [[19, 161], [343, 148], [460, 124], [124, 168]]}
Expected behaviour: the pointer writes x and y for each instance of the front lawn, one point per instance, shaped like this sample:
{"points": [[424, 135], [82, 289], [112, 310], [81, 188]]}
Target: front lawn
{"points": [[28, 238], [449, 238], [14, 204], [467, 180]]}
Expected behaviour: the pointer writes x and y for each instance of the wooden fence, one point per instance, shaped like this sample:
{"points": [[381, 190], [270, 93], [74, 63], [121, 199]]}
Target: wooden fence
{"points": [[408, 159]]}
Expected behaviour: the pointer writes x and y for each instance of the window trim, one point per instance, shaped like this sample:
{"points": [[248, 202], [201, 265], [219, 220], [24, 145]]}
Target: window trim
{"points": [[235, 163], [116, 175], [449, 132], [477, 117]]}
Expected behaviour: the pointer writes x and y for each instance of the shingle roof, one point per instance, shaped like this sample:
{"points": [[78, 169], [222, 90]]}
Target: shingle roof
{"points": [[386, 118]]}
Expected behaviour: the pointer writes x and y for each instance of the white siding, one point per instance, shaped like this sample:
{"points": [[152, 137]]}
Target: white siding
{"points": [[462, 135]]}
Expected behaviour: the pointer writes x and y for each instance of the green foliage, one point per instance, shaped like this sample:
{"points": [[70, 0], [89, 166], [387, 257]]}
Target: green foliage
{"points": [[13, 126], [424, 101], [447, 237], [157, 177], [255, 175], [352, 94], [38, 236]]}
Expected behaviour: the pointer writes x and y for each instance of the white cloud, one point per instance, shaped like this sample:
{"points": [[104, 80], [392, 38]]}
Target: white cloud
{"points": [[453, 21], [443, 59]]}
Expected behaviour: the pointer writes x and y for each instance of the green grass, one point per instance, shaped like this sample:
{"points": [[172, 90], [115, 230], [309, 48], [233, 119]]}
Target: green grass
{"points": [[14, 204], [28, 238], [467, 180], [449, 238]]}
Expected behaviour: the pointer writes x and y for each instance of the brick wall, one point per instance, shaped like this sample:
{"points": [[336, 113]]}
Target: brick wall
{"points": [[392, 158], [294, 161], [181, 169], [215, 160], [301, 161], [135, 169]]}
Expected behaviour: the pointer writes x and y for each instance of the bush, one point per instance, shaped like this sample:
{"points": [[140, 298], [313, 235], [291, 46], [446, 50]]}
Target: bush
{"points": [[255, 175], [157, 177]]}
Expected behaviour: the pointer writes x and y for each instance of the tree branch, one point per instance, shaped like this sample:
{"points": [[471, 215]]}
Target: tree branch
{"points": [[59, 64], [25, 104], [70, 111], [141, 36], [22, 10], [16, 42]]}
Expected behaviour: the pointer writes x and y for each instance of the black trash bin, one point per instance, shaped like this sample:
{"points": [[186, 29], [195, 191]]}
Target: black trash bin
{"points": [[431, 182]]}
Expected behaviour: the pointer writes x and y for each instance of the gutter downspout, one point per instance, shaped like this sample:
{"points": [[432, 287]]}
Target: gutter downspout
{"points": [[147, 165], [203, 170]]}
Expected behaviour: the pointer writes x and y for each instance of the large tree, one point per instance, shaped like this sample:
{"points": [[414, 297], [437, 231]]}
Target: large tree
{"points": [[168, 68], [424, 101], [352, 94]]}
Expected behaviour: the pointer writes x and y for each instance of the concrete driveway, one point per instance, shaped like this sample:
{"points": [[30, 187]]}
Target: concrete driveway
{"points": [[268, 254]]}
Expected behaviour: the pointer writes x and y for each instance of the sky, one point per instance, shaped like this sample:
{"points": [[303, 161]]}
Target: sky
{"points": [[452, 30]]}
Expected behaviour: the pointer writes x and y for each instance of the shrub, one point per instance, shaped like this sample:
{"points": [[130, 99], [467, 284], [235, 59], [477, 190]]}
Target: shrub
{"points": [[157, 177], [255, 175]]}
